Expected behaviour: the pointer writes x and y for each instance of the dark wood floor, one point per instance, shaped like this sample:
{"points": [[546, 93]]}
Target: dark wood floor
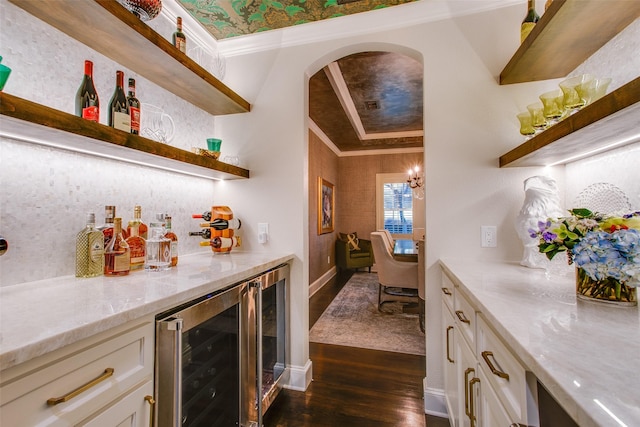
{"points": [[354, 387]]}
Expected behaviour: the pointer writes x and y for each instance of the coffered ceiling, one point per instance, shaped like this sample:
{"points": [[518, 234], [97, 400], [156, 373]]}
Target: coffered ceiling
{"points": [[366, 101]]}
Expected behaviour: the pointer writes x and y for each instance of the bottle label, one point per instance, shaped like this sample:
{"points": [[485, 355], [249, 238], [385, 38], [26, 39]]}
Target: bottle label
{"points": [[181, 44], [525, 29], [96, 247], [91, 113], [122, 262], [135, 119], [122, 121], [174, 249]]}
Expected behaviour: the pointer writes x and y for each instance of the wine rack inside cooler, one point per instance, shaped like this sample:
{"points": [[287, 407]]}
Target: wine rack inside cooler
{"points": [[210, 372]]}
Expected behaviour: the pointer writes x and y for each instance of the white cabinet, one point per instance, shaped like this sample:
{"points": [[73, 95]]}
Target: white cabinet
{"points": [[84, 382], [485, 384]]}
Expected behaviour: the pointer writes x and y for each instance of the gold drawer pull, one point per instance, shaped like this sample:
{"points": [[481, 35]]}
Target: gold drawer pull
{"points": [[152, 409], [448, 355], [446, 291], [466, 391], [494, 371], [472, 404], [462, 317], [55, 400]]}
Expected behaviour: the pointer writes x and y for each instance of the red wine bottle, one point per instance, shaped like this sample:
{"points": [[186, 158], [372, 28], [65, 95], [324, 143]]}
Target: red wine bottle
{"points": [[223, 224], [87, 102], [118, 107], [205, 215], [134, 108]]}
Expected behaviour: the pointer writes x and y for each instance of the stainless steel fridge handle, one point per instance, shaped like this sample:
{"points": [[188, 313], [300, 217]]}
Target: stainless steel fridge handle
{"points": [[176, 326]]}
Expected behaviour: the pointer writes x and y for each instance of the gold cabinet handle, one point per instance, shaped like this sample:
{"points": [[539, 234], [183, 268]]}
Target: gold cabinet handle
{"points": [[466, 390], [462, 317], [152, 409], [448, 355], [446, 291], [55, 400], [494, 371], [472, 404]]}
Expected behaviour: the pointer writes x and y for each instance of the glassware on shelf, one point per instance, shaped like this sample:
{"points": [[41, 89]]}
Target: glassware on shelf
{"points": [[4, 74], [553, 105], [538, 121], [571, 88], [146, 10], [600, 88], [526, 124], [156, 124]]}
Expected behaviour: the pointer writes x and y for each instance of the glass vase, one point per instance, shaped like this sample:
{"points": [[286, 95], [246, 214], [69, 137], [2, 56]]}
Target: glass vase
{"points": [[608, 291]]}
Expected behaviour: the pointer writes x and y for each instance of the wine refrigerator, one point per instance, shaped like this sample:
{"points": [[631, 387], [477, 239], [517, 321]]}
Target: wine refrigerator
{"points": [[220, 359]]}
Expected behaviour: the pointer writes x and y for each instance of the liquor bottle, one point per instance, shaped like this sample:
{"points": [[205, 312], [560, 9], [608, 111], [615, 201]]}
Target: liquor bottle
{"points": [[205, 216], [222, 242], [174, 240], [223, 224], [107, 227], [117, 255], [179, 39], [205, 234], [134, 108], [119, 117], [529, 21], [90, 250], [87, 102], [158, 257], [137, 220], [137, 245]]}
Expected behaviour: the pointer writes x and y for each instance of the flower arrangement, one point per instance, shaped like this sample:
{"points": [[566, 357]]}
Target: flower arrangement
{"points": [[605, 248]]}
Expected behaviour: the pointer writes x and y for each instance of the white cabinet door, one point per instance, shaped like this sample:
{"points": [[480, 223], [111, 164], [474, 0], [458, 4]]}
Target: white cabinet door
{"points": [[491, 412], [466, 371], [452, 394], [133, 410]]}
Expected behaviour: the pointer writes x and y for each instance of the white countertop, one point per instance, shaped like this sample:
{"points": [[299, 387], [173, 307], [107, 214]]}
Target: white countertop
{"points": [[43, 316], [586, 354]]}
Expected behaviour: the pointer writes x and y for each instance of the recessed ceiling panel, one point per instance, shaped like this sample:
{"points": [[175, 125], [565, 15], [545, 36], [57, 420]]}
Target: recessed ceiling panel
{"points": [[232, 18]]}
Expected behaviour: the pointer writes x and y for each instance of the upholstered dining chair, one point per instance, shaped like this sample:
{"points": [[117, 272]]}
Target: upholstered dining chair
{"points": [[398, 280]]}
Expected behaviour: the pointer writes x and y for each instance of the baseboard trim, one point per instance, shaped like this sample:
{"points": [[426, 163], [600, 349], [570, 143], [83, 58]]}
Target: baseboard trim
{"points": [[300, 377], [322, 280], [434, 401]]}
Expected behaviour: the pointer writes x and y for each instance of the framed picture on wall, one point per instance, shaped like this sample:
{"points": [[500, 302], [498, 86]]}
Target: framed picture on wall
{"points": [[326, 206]]}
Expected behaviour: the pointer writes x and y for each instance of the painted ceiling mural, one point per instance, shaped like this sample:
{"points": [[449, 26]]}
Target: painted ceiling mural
{"points": [[231, 18]]}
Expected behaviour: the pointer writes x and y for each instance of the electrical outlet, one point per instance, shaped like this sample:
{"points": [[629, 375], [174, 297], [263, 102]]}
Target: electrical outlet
{"points": [[489, 236]]}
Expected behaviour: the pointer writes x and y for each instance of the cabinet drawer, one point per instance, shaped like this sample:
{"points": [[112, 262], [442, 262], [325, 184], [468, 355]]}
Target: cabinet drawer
{"points": [[465, 316], [447, 291], [28, 398], [505, 374]]}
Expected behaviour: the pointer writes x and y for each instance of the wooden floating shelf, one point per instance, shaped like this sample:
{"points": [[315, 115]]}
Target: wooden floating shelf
{"points": [[27, 121], [610, 122], [568, 33], [108, 28]]}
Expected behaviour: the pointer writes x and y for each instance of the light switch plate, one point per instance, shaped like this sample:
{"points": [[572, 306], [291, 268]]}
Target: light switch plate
{"points": [[489, 236]]}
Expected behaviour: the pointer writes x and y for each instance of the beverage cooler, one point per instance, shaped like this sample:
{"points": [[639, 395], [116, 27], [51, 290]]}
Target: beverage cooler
{"points": [[220, 359]]}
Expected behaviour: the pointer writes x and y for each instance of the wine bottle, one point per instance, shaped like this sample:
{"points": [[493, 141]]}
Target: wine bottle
{"points": [[179, 39], [134, 108], [173, 238], [89, 250], [158, 257], [119, 117], [205, 216], [137, 221], [137, 245], [87, 102], [205, 234], [223, 224], [107, 227], [117, 255], [529, 21], [222, 242]]}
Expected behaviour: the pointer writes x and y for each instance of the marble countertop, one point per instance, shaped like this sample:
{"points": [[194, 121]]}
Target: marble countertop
{"points": [[43, 316], [586, 354]]}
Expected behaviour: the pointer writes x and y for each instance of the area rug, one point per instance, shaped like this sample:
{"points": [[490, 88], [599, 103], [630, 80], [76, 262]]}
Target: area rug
{"points": [[353, 319]]}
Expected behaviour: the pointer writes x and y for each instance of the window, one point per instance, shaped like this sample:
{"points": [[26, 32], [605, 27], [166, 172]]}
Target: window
{"points": [[394, 204]]}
